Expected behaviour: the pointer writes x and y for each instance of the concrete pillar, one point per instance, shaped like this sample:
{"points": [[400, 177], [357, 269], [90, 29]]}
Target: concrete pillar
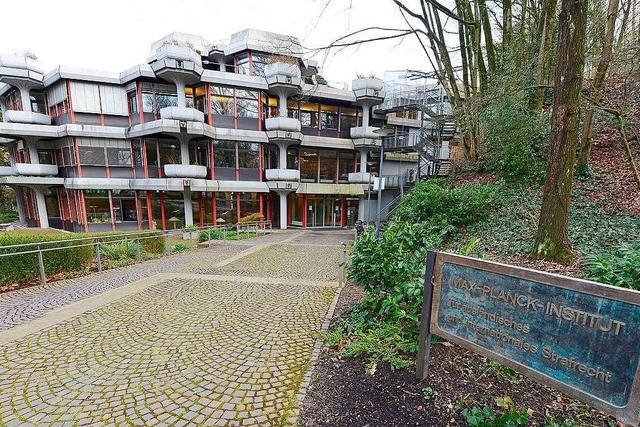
{"points": [[184, 151], [182, 99], [283, 208], [25, 97], [19, 200], [361, 207], [282, 154], [363, 159], [12, 157], [282, 104], [42, 208], [365, 114], [188, 208]]}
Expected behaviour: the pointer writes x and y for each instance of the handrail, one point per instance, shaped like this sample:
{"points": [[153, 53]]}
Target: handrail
{"points": [[98, 241]]}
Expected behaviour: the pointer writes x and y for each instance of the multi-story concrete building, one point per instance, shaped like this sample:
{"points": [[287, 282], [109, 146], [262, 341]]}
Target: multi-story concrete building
{"points": [[197, 133]]}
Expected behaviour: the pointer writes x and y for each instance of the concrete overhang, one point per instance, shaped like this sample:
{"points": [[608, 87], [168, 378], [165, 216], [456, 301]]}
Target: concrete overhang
{"points": [[240, 135], [346, 189], [232, 79], [97, 184], [82, 74], [138, 71], [31, 181], [327, 92], [326, 142]]}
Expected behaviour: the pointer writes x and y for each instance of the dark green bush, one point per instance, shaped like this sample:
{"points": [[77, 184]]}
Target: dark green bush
{"points": [[621, 267], [212, 234], [435, 203], [391, 269], [25, 267], [8, 216]]}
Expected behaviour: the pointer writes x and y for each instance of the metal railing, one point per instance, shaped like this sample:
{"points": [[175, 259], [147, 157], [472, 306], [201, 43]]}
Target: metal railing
{"points": [[97, 242]]}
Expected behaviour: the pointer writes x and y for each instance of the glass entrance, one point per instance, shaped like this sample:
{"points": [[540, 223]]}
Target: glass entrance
{"points": [[323, 211]]}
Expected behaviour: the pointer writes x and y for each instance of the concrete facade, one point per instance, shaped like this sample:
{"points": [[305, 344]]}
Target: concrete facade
{"points": [[197, 133]]}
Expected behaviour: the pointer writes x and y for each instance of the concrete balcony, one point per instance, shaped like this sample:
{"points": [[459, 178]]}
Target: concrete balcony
{"points": [[182, 114], [368, 89], [178, 53], [364, 132], [26, 117], [21, 62], [285, 137], [360, 178], [282, 174], [32, 169], [7, 171], [282, 75], [185, 171], [283, 123]]}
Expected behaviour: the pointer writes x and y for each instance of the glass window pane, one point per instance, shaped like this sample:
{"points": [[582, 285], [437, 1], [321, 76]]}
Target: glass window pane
{"points": [[224, 154], [248, 155], [328, 166], [226, 207], [91, 155], [292, 159], [309, 165], [222, 105], [119, 156], [346, 165]]}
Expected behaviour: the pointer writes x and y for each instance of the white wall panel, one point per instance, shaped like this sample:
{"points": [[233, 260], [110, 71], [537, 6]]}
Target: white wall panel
{"points": [[85, 97], [56, 93], [114, 100]]}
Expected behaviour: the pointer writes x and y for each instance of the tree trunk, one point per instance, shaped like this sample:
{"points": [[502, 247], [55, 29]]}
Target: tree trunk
{"points": [[543, 53], [488, 37], [586, 139], [552, 240], [507, 18]]}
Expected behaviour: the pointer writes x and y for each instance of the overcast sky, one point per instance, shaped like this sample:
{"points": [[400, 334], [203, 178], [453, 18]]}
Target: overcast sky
{"points": [[113, 35]]}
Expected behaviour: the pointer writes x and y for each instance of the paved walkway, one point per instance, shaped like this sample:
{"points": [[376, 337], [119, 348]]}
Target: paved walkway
{"points": [[229, 346]]}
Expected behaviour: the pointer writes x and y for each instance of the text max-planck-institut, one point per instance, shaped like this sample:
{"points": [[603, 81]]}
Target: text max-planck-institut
{"points": [[196, 134]]}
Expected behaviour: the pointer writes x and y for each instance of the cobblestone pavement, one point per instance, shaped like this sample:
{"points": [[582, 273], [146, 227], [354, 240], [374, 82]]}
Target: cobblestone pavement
{"points": [[228, 350], [301, 261], [324, 237], [182, 352], [17, 307]]}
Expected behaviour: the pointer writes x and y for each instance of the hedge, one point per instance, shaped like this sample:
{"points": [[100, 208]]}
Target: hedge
{"points": [[25, 267]]}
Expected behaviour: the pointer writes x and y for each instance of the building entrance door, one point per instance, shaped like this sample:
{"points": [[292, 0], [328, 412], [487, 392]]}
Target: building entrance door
{"points": [[323, 212]]}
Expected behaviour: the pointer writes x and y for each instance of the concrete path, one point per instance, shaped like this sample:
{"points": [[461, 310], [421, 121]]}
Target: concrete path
{"points": [[226, 338]]}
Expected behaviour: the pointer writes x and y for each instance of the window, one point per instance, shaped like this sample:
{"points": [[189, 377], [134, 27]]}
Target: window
{"points": [[119, 156], [133, 102], [346, 165], [292, 159], [293, 109], [309, 114], [247, 103], [248, 155], [257, 63], [157, 96], [328, 165], [92, 156], [222, 101], [224, 154], [347, 119], [328, 117], [242, 64], [201, 98], [13, 101], [308, 165], [45, 157], [169, 152]]}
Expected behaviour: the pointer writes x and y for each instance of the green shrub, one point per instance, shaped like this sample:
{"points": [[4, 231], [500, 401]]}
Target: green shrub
{"points": [[127, 249], [620, 268], [212, 234], [435, 203], [8, 216], [486, 417], [23, 267], [179, 247]]}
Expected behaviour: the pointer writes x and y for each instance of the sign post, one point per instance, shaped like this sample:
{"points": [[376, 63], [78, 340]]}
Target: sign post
{"points": [[580, 337]]}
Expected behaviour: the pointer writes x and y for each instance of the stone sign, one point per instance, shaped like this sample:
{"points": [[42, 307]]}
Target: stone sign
{"points": [[580, 337]]}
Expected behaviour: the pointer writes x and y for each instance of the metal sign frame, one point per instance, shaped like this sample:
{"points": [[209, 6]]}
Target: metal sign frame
{"points": [[629, 414]]}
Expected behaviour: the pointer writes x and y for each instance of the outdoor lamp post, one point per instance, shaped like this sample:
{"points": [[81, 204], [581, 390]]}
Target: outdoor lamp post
{"points": [[369, 164], [383, 133]]}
